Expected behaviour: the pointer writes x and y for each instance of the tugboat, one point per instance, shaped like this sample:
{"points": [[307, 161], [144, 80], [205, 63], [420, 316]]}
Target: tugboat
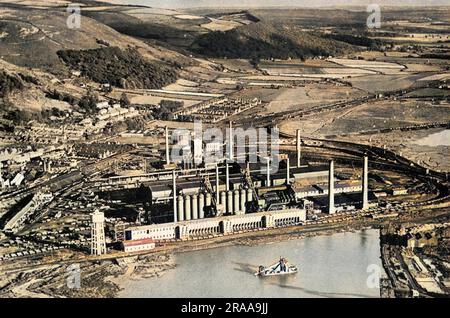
{"points": [[279, 268]]}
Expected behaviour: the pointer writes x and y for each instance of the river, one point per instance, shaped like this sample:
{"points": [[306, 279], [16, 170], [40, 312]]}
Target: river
{"points": [[329, 266]]}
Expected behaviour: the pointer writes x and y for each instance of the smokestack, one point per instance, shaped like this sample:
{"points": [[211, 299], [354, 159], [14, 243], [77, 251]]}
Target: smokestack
{"points": [[268, 172], [365, 184], [174, 187], [227, 173], [288, 170], [194, 206], [242, 201], [299, 148], [249, 195], [229, 203], [187, 207], [198, 146], [223, 198], [217, 184], [231, 141], [167, 146], [331, 209], [180, 200], [208, 199], [201, 206], [236, 209]]}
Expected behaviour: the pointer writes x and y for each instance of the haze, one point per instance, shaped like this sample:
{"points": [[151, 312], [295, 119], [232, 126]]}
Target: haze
{"points": [[276, 3]]}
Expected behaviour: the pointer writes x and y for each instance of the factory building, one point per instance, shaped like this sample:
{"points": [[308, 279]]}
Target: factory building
{"points": [[399, 191], [306, 191], [160, 182], [420, 240], [201, 228], [339, 187], [36, 202], [343, 201], [226, 197], [158, 232], [363, 202], [190, 199], [194, 206], [191, 185], [138, 245]]}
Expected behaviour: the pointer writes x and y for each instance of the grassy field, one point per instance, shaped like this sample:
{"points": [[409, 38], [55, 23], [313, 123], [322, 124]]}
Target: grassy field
{"points": [[385, 83], [387, 114]]}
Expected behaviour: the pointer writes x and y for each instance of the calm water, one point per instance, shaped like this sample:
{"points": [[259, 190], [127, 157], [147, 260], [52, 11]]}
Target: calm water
{"points": [[329, 266], [441, 138]]}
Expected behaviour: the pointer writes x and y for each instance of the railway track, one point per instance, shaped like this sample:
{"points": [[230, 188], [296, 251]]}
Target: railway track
{"points": [[373, 152]]}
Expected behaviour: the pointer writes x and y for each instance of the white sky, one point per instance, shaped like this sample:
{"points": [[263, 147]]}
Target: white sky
{"points": [[262, 3]]}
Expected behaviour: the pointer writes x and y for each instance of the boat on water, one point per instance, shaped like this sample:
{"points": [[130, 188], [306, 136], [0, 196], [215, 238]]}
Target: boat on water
{"points": [[279, 268]]}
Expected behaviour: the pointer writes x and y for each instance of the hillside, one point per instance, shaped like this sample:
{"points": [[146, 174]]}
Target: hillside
{"points": [[169, 28], [360, 40], [8, 83], [32, 36], [264, 40], [36, 79], [120, 68]]}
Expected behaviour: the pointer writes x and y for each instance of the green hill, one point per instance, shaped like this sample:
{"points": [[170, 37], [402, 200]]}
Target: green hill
{"points": [[31, 37], [121, 68], [263, 40]]}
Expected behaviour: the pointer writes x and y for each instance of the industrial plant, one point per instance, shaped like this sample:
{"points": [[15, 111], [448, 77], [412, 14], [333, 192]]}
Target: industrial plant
{"points": [[232, 196], [141, 147]]}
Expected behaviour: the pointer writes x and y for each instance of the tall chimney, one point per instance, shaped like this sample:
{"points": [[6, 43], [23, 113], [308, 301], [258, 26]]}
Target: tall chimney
{"points": [[227, 174], [167, 146], [217, 183], [365, 184], [288, 171], [231, 141], [331, 209], [299, 149], [174, 187], [268, 172], [198, 150]]}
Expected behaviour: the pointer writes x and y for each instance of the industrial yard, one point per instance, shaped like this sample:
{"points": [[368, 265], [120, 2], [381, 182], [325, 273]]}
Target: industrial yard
{"points": [[111, 172]]}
